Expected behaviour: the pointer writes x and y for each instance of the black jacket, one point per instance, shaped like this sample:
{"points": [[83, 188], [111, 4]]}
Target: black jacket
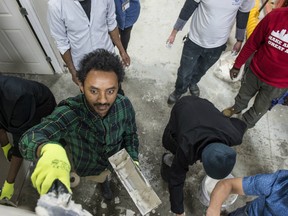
{"points": [[194, 123], [19, 100]]}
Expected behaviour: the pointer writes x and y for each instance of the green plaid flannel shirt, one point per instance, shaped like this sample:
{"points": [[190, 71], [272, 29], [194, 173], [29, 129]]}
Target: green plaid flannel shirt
{"points": [[91, 139]]}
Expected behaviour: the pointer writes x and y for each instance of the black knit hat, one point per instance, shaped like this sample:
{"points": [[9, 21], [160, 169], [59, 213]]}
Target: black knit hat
{"points": [[218, 160]]}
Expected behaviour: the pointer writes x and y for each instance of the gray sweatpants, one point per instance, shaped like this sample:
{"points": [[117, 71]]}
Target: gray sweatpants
{"points": [[250, 86]]}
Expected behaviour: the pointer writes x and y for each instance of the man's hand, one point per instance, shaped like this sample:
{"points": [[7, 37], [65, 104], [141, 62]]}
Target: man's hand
{"points": [[74, 76], [125, 58], [234, 73], [172, 37], [237, 46], [53, 164]]}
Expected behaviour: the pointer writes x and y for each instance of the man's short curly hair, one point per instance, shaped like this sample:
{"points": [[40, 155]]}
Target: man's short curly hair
{"points": [[101, 60]]}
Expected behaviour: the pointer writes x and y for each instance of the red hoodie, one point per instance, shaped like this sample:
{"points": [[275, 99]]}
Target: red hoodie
{"points": [[269, 41]]}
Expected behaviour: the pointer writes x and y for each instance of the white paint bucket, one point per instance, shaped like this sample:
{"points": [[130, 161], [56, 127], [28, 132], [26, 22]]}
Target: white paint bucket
{"points": [[206, 189]]}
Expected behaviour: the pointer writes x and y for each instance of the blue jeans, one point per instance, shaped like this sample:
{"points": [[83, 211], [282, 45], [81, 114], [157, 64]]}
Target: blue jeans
{"points": [[239, 212], [195, 61]]}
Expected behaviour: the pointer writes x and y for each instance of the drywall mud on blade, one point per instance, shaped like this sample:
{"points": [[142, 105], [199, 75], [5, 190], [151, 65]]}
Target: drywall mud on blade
{"points": [[134, 182], [58, 201]]}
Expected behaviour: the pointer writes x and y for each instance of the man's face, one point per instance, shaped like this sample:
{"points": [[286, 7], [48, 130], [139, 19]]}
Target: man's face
{"points": [[100, 89]]}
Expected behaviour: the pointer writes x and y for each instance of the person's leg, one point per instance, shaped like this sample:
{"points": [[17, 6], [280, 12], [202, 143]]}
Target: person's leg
{"points": [[250, 85], [169, 143], [15, 165], [189, 57], [125, 36], [104, 181], [6, 146], [206, 60], [262, 103]]}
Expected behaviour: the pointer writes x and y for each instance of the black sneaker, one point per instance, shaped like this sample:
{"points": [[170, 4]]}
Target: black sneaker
{"points": [[106, 190], [194, 90], [173, 98]]}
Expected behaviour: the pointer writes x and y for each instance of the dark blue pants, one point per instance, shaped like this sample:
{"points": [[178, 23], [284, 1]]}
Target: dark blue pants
{"points": [[195, 61]]}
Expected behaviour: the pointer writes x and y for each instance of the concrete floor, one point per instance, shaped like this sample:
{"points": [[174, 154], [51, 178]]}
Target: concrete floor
{"points": [[148, 82]]}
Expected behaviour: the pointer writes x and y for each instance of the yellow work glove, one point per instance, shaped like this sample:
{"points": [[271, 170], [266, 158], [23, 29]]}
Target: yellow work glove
{"points": [[53, 164], [6, 149], [7, 190]]}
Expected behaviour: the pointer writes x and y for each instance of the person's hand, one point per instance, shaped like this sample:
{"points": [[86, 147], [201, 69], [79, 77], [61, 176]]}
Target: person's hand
{"points": [[234, 73], [125, 59], [237, 46], [74, 76], [7, 190], [180, 214], [7, 151], [171, 38], [53, 164]]}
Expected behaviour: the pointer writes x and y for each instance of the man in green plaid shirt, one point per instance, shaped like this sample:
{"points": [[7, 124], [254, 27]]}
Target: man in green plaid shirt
{"points": [[94, 126]]}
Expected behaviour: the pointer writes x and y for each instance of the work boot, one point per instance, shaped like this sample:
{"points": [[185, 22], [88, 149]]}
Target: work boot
{"points": [[173, 98], [230, 111], [194, 90], [106, 190]]}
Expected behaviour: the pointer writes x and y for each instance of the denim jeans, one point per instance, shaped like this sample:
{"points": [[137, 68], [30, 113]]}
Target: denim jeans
{"points": [[239, 212], [194, 63]]}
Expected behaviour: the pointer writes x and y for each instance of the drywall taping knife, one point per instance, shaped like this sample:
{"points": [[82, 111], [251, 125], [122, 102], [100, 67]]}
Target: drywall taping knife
{"points": [[58, 201]]}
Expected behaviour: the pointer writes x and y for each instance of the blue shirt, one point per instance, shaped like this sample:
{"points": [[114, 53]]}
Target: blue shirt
{"points": [[126, 17], [272, 190]]}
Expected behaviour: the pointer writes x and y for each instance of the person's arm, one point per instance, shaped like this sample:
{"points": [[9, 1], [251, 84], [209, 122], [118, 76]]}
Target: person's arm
{"points": [[58, 32], [241, 23], [114, 32], [186, 12], [221, 192], [256, 39], [130, 139], [50, 130], [115, 37], [67, 58], [179, 168]]}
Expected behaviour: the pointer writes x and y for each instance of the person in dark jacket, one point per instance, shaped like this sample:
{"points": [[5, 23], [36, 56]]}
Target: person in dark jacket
{"points": [[22, 105], [198, 131]]}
